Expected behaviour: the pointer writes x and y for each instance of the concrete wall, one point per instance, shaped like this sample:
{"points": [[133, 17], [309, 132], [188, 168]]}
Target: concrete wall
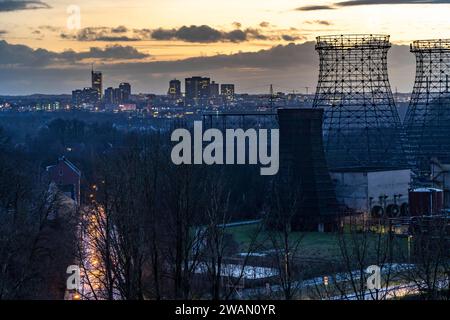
{"points": [[355, 189], [389, 183]]}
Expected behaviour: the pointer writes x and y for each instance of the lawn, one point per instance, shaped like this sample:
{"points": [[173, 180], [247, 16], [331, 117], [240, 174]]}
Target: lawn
{"points": [[313, 245]]}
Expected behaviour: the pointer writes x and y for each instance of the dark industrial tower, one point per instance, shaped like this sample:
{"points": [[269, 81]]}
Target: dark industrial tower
{"points": [[303, 164], [361, 128], [428, 118]]}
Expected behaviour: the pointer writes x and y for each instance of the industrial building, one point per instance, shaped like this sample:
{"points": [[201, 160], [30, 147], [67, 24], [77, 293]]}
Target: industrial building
{"points": [[362, 132], [377, 193], [302, 160], [350, 153]]}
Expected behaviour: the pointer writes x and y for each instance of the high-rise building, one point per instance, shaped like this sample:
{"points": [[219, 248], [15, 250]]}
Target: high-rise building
{"points": [[214, 90], [227, 91], [174, 91], [108, 98], [85, 96], [117, 95], [96, 78], [77, 97], [125, 89], [197, 90]]}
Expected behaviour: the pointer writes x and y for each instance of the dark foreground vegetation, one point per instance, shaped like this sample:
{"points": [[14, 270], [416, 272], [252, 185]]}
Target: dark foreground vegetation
{"points": [[160, 231]]}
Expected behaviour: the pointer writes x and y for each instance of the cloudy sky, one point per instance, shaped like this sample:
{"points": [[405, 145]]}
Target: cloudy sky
{"points": [[252, 43]]}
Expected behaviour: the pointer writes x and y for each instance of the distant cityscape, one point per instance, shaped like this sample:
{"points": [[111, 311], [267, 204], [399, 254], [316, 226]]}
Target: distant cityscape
{"points": [[200, 95]]}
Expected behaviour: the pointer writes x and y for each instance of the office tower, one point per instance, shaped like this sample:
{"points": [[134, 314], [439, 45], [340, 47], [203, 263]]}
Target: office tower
{"points": [[227, 91], [204, 88], [91, 95], [428, 118], [214, 90], [96, 78], [125, 91], [117, 95], [85, 96], [109, 95], [174, 91], [77, 97], [362, 128], [197, 91]]}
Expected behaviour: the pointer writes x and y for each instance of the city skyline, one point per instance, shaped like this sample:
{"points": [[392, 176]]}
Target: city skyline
{"points": [[253, 45]]}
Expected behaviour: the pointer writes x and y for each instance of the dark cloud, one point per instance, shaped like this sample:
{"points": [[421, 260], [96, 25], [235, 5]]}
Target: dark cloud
{"points": [[193, 34], [264, 24], [109, 53], [101, 34], [352, 3], [287, 37], [321, 22], [237, 25], [3, 32], [190, 34], [237, 36], [291, 66], [207, 34], [119, 29], [314, 7], [23, 56], [16, 5], [199, 34]]}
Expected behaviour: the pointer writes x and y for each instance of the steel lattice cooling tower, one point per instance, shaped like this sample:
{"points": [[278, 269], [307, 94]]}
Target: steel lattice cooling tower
{"points": [[428, 117], [362, 128]]}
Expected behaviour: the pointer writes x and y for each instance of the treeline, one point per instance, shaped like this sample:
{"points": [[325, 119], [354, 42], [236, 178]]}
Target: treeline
{"points": [[150, 202], [34, 249]]}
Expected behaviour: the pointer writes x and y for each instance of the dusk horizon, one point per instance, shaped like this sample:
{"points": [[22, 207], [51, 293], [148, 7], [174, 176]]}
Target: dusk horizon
{"points": [[273, 44]]}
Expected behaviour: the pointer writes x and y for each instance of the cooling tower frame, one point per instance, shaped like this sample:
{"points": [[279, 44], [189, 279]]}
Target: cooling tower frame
{"points": [[427, 120], [362, 128]]}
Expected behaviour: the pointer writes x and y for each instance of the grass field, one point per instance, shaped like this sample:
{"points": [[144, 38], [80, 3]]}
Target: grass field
{"points": [[313, 245]]}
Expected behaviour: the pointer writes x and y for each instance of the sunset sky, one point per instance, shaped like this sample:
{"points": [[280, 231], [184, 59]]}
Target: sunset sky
{"points": [[250, 42]]}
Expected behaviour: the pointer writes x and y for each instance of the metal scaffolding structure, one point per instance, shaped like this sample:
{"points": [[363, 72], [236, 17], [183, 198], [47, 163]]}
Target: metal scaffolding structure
{"points": [[362, 128], [427, 121]]}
